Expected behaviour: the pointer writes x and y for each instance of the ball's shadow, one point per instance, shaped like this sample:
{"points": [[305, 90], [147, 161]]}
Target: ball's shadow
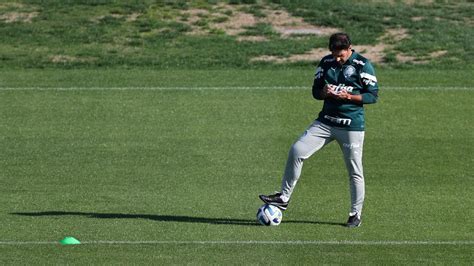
{"points": [[164, 218]]}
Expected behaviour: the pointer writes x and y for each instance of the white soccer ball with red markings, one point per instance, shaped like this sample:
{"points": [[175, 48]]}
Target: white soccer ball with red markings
{"points": [[269, 215]]}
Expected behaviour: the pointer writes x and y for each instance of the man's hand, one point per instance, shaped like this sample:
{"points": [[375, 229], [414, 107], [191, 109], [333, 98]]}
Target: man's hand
{"points": [[346, 96], [343, 95], [328, 91]]}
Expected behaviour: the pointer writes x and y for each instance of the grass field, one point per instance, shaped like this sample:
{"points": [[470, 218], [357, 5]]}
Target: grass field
{"points": [[147, 129], [192, 34], [171, 175]]}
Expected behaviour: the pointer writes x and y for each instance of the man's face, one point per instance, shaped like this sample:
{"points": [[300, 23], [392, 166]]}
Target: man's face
{"points": [[342, 55]]}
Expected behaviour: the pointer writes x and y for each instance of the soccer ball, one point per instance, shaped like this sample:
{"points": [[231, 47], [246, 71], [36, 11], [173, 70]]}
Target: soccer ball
{"points": [[269, 215]]}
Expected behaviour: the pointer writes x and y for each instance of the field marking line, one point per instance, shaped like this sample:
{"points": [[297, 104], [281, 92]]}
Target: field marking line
{"points": [[214, 88], [250, 242]]}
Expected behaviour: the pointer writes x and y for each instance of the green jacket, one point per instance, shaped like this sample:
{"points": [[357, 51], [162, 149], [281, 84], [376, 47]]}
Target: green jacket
{"points": [[357, 77]]}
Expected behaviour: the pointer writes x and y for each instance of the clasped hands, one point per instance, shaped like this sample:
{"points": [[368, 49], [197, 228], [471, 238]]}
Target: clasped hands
{"points": [[330, 92]]}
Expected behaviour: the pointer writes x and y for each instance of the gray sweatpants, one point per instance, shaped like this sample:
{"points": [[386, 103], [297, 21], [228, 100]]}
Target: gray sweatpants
{"points": [[314, 138]]}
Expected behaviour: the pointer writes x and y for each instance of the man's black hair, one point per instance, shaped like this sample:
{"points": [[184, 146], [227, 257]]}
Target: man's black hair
{"points": [[339, 41]]}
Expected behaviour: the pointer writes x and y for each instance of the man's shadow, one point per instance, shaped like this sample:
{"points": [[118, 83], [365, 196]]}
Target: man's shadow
{"points": [[162, 218]]}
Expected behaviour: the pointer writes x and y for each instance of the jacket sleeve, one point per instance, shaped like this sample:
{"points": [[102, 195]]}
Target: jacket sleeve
{"points": [[369, 82], [318, 83]]}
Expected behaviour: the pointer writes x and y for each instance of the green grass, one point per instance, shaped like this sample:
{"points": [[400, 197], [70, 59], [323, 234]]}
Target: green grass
{"points": [[228, 77], [187, 165], [91, 34], [192, 254]]}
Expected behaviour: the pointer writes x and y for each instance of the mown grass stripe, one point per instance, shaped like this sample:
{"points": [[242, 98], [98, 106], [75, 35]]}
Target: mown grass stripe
{"points": [[214, 88], [253, 242]]}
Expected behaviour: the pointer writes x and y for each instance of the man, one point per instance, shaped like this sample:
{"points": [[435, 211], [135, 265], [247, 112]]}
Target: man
{"points": [[345, 80]]}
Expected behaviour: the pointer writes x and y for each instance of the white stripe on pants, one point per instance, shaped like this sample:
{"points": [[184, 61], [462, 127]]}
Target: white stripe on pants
{"points": [[314, 138]]}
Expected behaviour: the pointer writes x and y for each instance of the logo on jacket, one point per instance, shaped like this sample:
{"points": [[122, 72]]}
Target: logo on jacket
{"points": [[342, 87], [349, 71]]}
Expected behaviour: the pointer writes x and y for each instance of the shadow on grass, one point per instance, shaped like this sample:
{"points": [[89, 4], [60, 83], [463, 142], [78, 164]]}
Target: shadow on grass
{"points": [[162, 218]]}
